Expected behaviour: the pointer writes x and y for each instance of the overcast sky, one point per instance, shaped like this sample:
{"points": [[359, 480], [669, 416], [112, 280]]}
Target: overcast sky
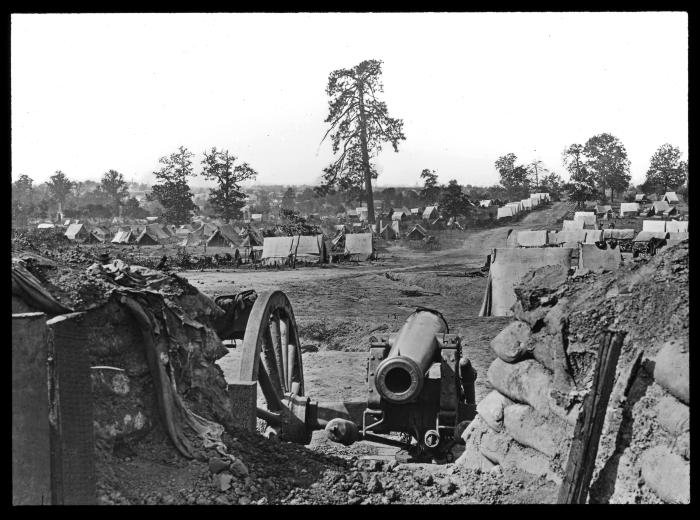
{"points": [[92, 92]]}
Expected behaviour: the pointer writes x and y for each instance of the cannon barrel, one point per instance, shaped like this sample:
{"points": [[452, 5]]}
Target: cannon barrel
{"points": [[400, 376]]}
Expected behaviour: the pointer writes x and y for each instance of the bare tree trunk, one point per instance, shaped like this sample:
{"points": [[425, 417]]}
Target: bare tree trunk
{"points": [[365, 159]]}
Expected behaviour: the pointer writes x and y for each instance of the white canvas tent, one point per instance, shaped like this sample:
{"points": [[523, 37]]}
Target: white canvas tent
{"points": [[589, 221], [532, 238], [677, 226], [310, 249], [656, 226], [572, 225], [629, 208], [506, 211], [527, 204], [276, 250], [430, 213], [485, 203], [359, 246], [671, 197], [596, 259], [508, 266]]}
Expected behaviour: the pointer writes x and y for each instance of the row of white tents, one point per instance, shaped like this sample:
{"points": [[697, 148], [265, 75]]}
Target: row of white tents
{"points": [[512, 209], [315, 248]]}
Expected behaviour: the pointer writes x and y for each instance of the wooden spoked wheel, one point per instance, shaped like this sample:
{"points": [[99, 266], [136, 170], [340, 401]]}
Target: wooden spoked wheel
{"points": [[271, 355]]}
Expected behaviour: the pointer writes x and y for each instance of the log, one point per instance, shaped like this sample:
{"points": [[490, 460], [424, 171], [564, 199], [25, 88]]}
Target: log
{"points": [[584, 445]]}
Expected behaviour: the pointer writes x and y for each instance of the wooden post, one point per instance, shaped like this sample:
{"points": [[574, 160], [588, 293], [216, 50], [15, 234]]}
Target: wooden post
{"points": [[584, 445]]}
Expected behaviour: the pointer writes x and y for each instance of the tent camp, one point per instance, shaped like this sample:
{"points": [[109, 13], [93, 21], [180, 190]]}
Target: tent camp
{"points": [[677, 237], [506, 211], [45, 225], [277, 250], [430, 213], [221, 239], [544, 197], [527, 204], [508, 266], [629, 208], [417, 233], [123, 236], [677, 226], [486, 203], [415, 212], [671, 197], [517, 205], [398, 215], [572, 225], [640, 198], [657, 226], [599, 259], [76, 232], [359, 246], [310, 249], [146, 238]]}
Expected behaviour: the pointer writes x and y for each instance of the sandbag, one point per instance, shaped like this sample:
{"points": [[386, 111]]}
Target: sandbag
{"points": [[666, 474], [548, 349], [490, 409], [547, 434], [673, 416], [529, 382], [494, 445], [528, 460], [672, 370], [511, 343]]}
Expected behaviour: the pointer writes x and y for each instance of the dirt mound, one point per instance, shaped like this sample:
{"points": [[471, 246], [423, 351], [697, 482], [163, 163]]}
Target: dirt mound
{"points": [[549, 368]]}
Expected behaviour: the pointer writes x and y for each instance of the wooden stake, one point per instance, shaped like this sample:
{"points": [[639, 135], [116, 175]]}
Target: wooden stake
{"points": [[584, 446]]}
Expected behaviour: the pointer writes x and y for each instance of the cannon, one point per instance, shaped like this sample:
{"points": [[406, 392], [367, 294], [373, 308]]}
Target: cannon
{"points": [[419, 384]]}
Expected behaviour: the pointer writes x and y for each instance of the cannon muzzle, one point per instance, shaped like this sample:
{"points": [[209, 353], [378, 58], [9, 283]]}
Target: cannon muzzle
{"points": [[400, 376]]}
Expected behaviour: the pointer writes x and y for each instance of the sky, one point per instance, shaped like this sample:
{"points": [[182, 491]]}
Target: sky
{"points": [[93, 92]]}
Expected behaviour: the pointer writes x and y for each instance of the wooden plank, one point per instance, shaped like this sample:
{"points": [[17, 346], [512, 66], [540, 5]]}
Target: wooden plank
{"points": [[584, 445]]}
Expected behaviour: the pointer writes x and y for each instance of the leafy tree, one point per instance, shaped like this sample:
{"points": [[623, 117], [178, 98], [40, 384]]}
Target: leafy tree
{"points": [[514, 178], [606, 158], [115, 187], [431, 191], [289, 199], [582, 184], [666, 170], [453, 202], [173, 192], [552, 184], [227, 198], [359, 124], [294, 224], [133, 209], [22, 199], [59, 187]]}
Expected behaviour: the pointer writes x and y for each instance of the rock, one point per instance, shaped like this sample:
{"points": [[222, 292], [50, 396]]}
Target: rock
{"points": [[666, 474], [244, 500], [238, 468], [217, 465], [222, 481], [448, 488], [490, 409], [672, 370], [374, 485], [352, 493], [511, 343], [168, 500]]}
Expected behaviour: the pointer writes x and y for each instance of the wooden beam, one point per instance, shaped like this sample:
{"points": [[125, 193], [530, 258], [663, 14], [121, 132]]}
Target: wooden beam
{"points": [[584, 445]]}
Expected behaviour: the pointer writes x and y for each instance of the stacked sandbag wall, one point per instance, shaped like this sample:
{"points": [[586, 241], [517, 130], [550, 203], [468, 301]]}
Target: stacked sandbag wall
{"points": [[545, 366], [527, 420]]}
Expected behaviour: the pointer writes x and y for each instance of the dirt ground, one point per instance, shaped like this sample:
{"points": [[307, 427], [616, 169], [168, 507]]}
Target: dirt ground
{"points": [[338, 307]]}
